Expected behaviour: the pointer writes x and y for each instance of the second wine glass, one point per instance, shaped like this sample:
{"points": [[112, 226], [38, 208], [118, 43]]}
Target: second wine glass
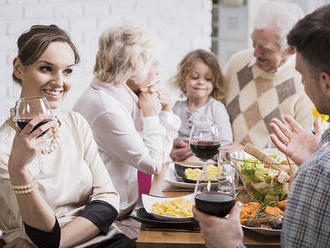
{"points": [[215, 193], [204, 141]]}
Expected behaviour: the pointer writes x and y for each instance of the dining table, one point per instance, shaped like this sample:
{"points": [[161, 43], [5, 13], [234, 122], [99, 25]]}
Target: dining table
{"points": [[192, 239]]}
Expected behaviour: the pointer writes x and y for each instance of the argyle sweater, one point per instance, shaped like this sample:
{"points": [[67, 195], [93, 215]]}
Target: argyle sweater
{"points": [[255, 97]]}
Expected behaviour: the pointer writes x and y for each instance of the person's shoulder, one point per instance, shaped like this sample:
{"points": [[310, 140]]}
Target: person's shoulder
{"points": [[317, 167], [71, 117], [242, 56], [94, 98], [6, 135], [216, 104], [236, 62], [179, 105]]}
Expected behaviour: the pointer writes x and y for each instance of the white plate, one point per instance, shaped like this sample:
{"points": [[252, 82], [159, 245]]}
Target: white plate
{"points": [[264, 231], [149, 200], [171, 178]]}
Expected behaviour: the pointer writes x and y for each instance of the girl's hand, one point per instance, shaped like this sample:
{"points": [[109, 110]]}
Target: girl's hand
{"points": [[148, 103], [18, 243], [180, 150], [28, 143], [296, 144]]}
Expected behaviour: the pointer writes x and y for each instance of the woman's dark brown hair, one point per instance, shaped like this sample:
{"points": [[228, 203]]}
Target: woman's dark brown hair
{"points": [[35, 41]]}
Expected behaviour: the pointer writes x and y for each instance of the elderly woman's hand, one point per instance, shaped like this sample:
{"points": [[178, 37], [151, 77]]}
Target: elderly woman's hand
{"points": [[148, 103], [28, 143], [162, 95], [164, 100]]}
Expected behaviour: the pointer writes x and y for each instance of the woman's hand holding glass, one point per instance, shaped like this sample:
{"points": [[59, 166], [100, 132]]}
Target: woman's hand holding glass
{"points": [[33, 117]]}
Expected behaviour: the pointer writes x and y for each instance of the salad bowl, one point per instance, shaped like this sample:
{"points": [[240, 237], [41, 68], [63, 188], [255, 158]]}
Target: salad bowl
{"points": [[263, 182]]}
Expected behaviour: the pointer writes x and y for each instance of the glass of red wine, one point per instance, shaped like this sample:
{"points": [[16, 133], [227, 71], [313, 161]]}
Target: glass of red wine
{"points": [[29, 107], [204, 141], [215, 193]]}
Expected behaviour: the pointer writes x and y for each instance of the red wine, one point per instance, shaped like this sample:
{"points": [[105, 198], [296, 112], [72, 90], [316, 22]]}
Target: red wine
{"points": [[214, 203], [23, 122], [205, 149]]}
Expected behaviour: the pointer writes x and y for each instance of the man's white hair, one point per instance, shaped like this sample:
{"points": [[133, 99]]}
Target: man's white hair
{"points": [[281, 16]]}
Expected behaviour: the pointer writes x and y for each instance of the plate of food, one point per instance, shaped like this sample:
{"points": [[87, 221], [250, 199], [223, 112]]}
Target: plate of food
{"points": [[186, 176], [264, 181], [172, 178], [265, 219], [169, 208]]}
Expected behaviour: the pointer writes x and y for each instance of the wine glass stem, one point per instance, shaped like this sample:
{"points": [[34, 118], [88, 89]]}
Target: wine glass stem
{"points": [[204, 165]]}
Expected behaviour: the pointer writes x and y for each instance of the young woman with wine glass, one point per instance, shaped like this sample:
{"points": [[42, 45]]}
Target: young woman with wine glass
{"points": [[200, 79], [54, 188], [132, 122]]}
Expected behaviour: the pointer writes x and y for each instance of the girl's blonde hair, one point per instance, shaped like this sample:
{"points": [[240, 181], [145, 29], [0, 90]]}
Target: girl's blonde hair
{"points": [[125, 52], [186, 65]]}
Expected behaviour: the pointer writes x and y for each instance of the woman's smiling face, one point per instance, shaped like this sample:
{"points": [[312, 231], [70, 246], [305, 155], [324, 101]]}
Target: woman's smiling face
{"points": [[50, 76]]}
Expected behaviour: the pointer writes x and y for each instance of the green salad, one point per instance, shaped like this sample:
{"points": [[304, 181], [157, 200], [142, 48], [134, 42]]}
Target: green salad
{"points": [[261, 180]]}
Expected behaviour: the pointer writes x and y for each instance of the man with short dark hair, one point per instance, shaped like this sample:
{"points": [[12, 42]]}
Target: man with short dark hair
{"points": [[307, 216]]}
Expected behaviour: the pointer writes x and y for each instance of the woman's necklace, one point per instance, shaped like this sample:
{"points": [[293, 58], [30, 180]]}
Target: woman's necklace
{"points": [[53, 143]]}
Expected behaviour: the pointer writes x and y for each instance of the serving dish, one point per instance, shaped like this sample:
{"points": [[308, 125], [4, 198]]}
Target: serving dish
{"points": [[261, 180], [149, 200], [152, 223], [264, 231]]}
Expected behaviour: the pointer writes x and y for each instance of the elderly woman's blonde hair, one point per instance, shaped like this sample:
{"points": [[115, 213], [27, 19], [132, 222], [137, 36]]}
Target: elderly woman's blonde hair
{"points": [[125, 52]]}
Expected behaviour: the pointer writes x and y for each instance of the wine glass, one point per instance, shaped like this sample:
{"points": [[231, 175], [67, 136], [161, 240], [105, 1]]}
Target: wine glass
{"points": [[27, 108], [215, 193], [204, 141]]}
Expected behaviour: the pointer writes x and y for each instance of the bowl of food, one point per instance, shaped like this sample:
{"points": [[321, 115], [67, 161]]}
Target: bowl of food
{"points": [[169, 208], [181, 167], [263, 181], [191, 175]]}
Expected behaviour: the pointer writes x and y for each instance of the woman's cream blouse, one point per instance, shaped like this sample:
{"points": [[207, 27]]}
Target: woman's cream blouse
{"points": [[68, 178]]}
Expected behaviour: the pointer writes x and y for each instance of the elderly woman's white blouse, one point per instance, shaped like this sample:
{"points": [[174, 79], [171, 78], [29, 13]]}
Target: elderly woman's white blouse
{"points": [[68, 178], [127, 141]]}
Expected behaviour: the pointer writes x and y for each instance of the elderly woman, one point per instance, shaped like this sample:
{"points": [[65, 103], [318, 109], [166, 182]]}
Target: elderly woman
{"points": [[54, 188], [123, 111]]}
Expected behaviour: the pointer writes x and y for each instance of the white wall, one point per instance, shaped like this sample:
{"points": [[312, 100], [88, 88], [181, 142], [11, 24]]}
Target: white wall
{"points": [[182, 25]]}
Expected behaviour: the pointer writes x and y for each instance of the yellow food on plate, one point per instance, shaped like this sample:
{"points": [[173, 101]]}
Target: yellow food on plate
{"points": [[193, 174], [178, 207]]}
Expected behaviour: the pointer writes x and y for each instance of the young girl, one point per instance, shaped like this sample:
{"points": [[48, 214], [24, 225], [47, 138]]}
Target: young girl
{"points": [[200, 79]]}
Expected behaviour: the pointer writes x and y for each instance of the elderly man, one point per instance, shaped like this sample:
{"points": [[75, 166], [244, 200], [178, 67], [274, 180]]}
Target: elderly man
{"points": [[263, 83], [307, 214]]}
